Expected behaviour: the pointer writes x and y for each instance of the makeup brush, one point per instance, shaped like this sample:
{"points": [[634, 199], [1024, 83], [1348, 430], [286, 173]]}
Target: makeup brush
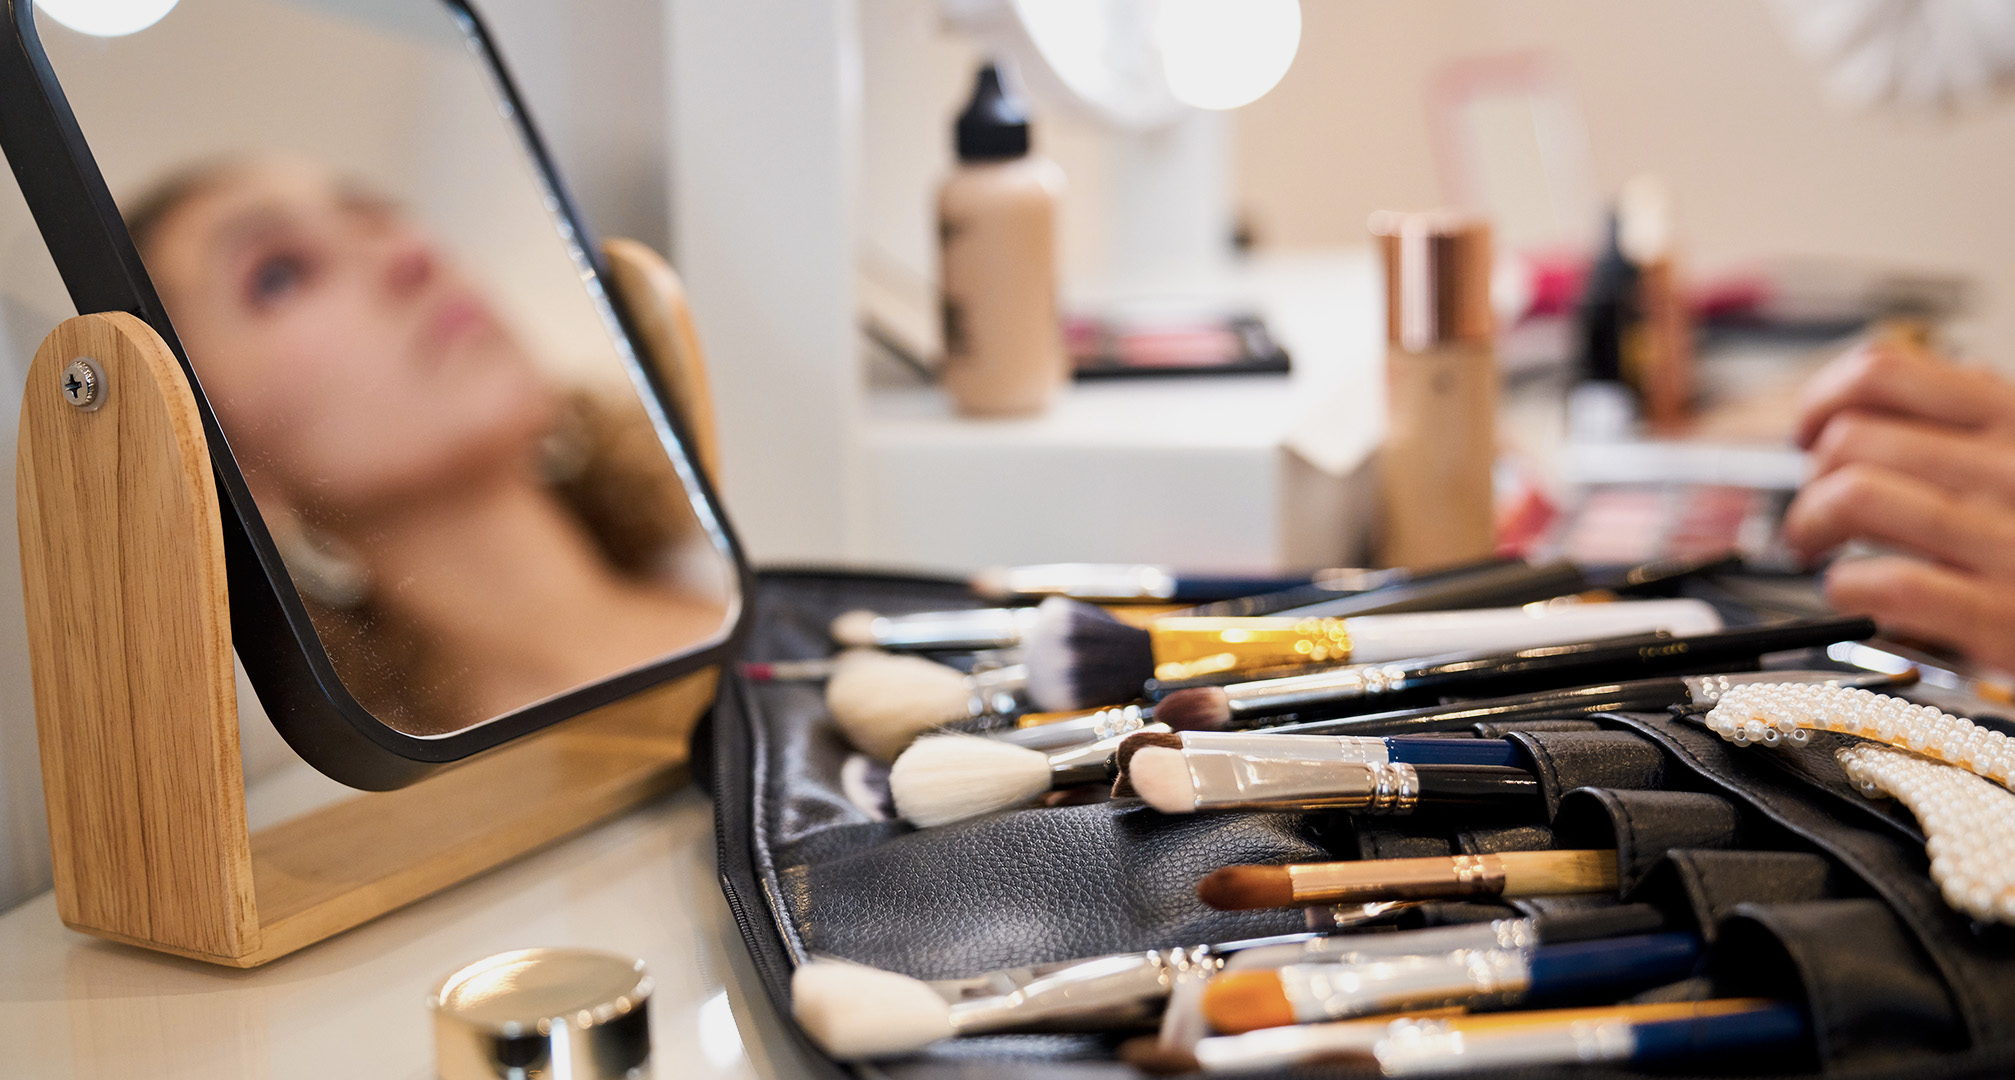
{"points": [[1137, 583], [945, 778], [1433, 1047], [854, 1011], [1271, 1049], [1509, 873], [882, 701], [963, 629], [1079, 656], [1339, 691], [1309, 772], [1242, 1001]]}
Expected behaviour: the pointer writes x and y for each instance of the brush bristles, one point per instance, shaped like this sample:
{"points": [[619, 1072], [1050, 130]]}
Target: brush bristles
{"points": [[1240, 1001], [1122, 784], [854, 629], [945, 778], [1161, 776], [1200, 708], [882, 701], [855, 1012], [1246, 888], [1079, 656]]}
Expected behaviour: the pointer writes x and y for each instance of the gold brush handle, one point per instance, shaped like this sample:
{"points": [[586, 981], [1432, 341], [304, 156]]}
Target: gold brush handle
{"points": [[1511, 873], [1186, 647]]}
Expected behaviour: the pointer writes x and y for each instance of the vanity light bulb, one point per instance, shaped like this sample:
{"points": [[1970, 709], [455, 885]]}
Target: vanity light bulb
{"points": [[1219, 55], [106, 18]]}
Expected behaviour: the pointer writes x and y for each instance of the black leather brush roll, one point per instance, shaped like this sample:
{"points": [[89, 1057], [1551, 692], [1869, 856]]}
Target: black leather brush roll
{"points": [[1802, 888]]}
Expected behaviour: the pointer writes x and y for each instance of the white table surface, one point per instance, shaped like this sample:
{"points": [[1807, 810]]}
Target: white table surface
{"points": [[643, 884]]}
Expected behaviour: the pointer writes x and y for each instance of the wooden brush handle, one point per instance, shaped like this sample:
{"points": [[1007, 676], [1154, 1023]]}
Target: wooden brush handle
{"points": [[1510, 873], [1558, 873]]}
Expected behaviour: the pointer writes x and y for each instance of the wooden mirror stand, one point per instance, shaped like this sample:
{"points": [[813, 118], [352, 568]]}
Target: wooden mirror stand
{"points": [[136, 711]]}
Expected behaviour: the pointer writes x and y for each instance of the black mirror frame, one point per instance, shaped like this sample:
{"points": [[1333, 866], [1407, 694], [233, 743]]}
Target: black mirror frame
{"points": [[275, 639]]}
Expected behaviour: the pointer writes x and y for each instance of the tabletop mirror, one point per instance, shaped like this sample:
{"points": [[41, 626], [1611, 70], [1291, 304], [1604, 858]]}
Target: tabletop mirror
{"points": [[458, 505]]}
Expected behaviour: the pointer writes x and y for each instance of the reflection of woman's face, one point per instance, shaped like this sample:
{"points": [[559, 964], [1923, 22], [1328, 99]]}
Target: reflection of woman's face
{"points": [[351, 367]]}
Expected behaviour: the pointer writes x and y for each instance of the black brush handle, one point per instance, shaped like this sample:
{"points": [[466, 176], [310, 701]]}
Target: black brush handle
{"points": [[1160, 688], [1451, 786], [1638, 696], [1301, 596], [1538, 668], [1495, 586]]}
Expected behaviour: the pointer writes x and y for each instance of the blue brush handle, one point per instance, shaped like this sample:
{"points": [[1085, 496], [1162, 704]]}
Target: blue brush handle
{"points": [[1416, 750], [1195, 588], [1771, 1025], [1644, 960]]}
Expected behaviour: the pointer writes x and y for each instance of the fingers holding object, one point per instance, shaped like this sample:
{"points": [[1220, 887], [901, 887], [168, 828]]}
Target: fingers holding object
{"points": [[1891, 508], [1955, 461], [1930, 603], [1889, 378]]}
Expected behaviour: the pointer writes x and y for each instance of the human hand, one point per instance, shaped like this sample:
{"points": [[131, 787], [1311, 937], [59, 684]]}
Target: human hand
{"points": [[1913, 453]]}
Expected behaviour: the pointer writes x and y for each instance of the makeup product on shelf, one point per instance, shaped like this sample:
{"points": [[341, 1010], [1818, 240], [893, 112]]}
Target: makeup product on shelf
{"points": [[1432, 1047], [1004, 350], [1440, 445], [1509, 873], [1177, 783], [1355, 1041], [1079, 656], [883, 701], [1336, 691], [1501, 977], [966, 629], [857, 1012], [1138, 583]]}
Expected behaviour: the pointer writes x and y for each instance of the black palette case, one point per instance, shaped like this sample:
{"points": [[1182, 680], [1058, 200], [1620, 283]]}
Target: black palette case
{"points": [[1802, 888]]}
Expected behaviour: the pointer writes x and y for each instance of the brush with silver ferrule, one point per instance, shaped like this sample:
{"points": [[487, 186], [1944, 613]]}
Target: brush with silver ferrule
{"points": [[1143, 583], [1540, 1035], [1188, 773], [950, 777], [1079, 656], [857, 1012], [1495, 977], [965, 629], [1344, 690], [883, 701], [1437, 1048]]}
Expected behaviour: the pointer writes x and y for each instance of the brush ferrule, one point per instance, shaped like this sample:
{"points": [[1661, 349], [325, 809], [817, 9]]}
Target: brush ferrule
{"points": [[1397, 879], [1052, 731], [1241, 782], [1090, 581], [1318, 992], [1272, 696], [1091, 763], [1429, 1047], [1109, 991], [1186, 647], [1354, 749], [974, 628]]}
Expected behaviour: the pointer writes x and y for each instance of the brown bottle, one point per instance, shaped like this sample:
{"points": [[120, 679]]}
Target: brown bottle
{"points": [[1004, 352], [1441, 390]]}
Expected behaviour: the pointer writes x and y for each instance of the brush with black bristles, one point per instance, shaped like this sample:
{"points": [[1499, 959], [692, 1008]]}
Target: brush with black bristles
{"points": [[1079, 656]]}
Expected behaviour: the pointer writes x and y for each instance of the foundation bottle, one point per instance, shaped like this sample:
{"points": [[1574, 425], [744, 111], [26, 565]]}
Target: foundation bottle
{"points": [[1441, 390], [1003, 344]]}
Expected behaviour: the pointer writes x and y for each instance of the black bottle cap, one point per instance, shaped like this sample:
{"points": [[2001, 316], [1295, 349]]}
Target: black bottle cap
{"points": [[994, 126]]}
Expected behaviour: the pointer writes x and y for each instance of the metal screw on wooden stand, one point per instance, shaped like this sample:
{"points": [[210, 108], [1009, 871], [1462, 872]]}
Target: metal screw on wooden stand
{"points": [[83, 384]]}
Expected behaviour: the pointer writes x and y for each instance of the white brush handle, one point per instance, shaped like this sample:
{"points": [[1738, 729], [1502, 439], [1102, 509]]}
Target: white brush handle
{"points": [[1378, 639]]}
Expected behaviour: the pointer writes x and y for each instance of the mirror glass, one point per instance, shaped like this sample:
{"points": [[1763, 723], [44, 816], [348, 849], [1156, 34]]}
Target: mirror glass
{"points": [[447, 433]]}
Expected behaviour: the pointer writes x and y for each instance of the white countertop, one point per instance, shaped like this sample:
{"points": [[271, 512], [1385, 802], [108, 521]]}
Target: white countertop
{"points": [[643, 884]]}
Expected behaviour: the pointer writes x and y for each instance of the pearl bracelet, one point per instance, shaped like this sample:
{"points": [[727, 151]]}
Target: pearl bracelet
{"points": [[1769, 713], [1937, 765]]}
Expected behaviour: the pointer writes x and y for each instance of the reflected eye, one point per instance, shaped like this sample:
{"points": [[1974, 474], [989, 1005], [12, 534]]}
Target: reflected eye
{"points": [[275, 277]]}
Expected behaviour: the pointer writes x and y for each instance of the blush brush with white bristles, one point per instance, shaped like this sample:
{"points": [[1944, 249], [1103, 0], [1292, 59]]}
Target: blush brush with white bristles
{"points": [[945, 778], [883, 701], [1079, 656]]}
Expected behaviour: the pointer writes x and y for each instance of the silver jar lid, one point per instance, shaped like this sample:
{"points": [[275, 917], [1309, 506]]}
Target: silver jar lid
{"points": [[544, 1014]]}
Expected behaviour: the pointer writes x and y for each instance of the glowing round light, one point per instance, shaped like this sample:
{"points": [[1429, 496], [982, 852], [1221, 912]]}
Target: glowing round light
{"points": [[106, 18], [1221, 54]]}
